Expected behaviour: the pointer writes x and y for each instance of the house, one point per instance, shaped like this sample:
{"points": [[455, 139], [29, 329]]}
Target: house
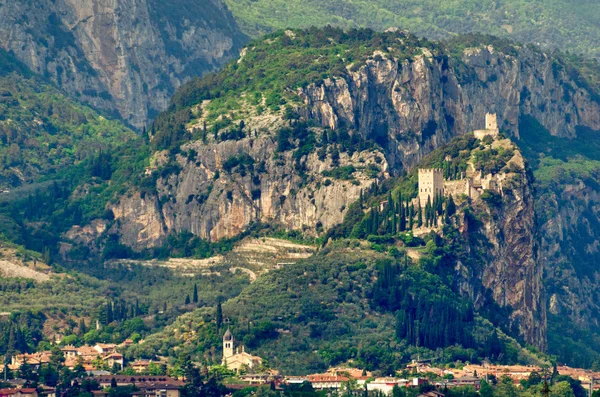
{"points": [[105, 348], [150, 386], [114, 358], [25, 392], [124, 380], [385, 385], [327, 382], [140, 366], [69, 351]]}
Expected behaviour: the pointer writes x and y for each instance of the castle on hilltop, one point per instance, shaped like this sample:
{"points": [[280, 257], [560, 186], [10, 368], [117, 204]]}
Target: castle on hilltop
{"points": [[237, 358], [472, 183]]}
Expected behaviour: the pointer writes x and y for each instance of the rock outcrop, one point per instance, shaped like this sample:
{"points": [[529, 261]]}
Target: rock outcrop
{"points": [[120, 55], [215, 202], [504, 271]]}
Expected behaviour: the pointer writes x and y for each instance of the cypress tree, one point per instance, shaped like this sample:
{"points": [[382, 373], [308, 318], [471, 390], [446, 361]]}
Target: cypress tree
{"points": [[187, 299], [109, 313], [219, 314], [419, 215], [195, 297], [82, 327], [450, 206], [402, 217]]}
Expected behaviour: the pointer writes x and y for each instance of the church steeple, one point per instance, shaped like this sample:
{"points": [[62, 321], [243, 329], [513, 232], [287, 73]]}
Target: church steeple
{"points": [[228, 342]]}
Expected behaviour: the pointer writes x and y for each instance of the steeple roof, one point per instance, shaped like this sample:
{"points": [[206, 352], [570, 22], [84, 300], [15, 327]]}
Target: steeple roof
{"points": [[228, 336]]}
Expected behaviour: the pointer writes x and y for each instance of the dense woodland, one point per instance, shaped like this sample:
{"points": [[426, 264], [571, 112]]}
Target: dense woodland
{"points": [[567, 25]]}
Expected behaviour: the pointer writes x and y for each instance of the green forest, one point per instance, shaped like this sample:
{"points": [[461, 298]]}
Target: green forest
{"points": [[563, 24]]}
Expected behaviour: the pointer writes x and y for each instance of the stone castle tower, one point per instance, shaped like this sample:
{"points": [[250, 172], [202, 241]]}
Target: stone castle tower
{"points": [[431, 183], [491, 127], [491, 121], [227, 345]]}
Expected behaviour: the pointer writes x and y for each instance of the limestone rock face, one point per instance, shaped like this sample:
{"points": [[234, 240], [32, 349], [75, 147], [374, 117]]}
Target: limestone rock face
{"points": [[214, 203], [568, 218], [514, 270], [125, 56], [413, 107]]}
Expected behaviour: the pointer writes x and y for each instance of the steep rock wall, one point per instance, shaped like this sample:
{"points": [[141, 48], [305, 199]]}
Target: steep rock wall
{"points": [[120, 55], [412, 107], [214, 203]]}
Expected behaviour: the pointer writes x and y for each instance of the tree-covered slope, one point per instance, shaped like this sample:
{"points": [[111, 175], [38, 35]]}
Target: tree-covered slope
{"points": [[42, 131], [568, 25]]}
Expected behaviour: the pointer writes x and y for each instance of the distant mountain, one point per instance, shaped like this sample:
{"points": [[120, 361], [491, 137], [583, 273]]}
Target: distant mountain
{"points": [[568, 25], [122, 56]]}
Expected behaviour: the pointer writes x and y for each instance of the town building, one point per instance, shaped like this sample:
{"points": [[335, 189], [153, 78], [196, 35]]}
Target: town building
{"points": [[150, 386], [327, 381], [237, 358], [25, 392], [386, 385]]}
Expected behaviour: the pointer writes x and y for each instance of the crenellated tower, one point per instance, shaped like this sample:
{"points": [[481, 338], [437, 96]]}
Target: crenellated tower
{"points": [[431, 183]]}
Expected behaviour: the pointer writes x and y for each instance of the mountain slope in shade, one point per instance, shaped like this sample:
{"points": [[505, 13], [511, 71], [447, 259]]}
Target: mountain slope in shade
{"points": [[123, 56]]}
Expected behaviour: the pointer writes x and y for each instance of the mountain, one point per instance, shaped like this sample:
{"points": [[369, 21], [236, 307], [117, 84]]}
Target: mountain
{"points": [[326, 112], [42, 131], [305, 125], [305, 120], [563, 24], [377, 295], [125, 56]]}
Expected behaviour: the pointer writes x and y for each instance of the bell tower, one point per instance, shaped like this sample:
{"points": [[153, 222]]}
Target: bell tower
{"points": [[227, 345]]}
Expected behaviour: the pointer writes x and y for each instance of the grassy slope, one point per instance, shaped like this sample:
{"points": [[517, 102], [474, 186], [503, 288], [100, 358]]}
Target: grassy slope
{"points": [[569, 25]]}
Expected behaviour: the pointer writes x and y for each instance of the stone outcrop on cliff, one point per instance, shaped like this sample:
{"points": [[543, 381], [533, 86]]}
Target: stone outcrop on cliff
{"points": [[120, 55], [503, 238]]}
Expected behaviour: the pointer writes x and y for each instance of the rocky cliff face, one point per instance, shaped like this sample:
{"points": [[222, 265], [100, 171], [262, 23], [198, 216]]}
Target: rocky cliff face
{"points": [[504, 272], [120, 55], [213, 199], [412, 107], [570, 233]]}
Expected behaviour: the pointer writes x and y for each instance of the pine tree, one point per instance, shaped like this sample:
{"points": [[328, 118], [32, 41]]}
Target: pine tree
{"points": [[195, 296]]}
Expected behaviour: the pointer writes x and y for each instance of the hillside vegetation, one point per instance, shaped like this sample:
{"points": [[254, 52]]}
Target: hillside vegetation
{"points": [[42, 131], [568, 25]]}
